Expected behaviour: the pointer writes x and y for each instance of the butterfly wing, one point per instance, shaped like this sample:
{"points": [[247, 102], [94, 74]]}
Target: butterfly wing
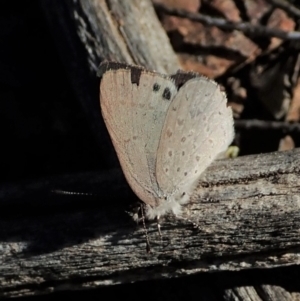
{"points": [[134, 104], [198, 126]]}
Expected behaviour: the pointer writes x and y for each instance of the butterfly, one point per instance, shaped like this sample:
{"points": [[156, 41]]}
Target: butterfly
{"points": [[166, 130]]}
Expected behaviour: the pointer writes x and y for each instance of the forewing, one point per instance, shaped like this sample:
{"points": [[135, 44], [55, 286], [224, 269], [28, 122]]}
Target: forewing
{"points": [[198, 126], [134, 109]]}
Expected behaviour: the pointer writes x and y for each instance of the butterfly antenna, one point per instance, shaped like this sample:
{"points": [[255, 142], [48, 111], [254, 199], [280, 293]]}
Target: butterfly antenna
{"points": [[148, 248], [65, 192]]}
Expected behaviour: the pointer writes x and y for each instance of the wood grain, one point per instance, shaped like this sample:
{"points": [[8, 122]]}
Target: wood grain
{"points": [[244, 215]]}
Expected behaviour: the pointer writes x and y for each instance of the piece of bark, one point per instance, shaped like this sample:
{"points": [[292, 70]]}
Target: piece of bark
{"points": [[89, 31], [128, 32], [205, 40], [261, 293], [243, 215], [279, 19], [115, 30]]}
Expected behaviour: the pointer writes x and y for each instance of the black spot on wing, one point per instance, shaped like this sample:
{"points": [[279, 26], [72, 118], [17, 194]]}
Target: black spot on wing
{"points": [[106, 66], [167, 94], [136, 71], [156, 87], [181, 77], [136, 75]]}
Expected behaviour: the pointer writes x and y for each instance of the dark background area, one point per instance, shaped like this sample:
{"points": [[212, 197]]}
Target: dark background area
{"points": [[43, 128]]}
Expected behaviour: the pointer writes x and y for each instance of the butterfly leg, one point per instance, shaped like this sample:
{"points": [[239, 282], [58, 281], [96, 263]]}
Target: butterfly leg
{"points": [[158, 228], [148, 247]]}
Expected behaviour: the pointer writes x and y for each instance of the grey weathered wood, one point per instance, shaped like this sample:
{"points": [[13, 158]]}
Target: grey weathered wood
{"points": [[260, 293], [244, 214], [89, 31], [124, 31]]}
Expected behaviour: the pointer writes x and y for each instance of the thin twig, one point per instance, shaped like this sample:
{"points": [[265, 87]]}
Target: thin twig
{"points": [[246, 28], [286, 6], [268, 125]]}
